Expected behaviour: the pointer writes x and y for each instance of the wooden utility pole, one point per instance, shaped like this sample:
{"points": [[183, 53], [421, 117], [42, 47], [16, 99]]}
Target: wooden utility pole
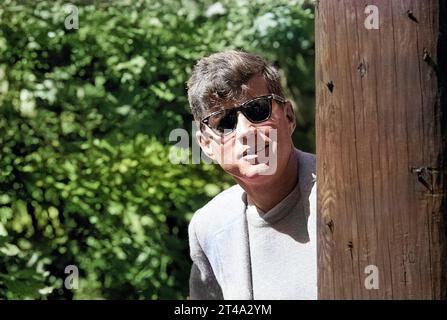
{"points": [[381, 140]]}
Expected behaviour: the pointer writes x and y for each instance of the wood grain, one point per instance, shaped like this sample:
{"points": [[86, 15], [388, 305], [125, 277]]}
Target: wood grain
{"points": [[381, 132]]}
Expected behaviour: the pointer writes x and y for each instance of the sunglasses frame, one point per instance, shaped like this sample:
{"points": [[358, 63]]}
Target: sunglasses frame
{"points": [[238, 109]]}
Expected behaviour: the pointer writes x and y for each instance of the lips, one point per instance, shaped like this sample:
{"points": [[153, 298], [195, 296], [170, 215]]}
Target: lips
{"points": [[248, 152]]}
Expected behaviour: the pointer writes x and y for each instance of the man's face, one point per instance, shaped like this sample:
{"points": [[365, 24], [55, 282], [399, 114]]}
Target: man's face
{"points": [[253, 152]]}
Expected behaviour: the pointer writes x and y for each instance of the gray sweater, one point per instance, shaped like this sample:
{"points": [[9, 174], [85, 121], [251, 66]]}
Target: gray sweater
{"points": [[241, 253]]}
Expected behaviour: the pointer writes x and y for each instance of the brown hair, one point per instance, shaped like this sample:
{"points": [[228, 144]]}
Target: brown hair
{"points": [[222, 76]]}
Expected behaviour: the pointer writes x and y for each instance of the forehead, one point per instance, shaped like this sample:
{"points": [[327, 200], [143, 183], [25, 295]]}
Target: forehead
{"points": [[255, 87]]}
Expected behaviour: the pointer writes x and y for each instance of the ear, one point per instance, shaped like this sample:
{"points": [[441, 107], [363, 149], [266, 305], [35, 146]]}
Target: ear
{"points": [[204, 139], [290, 115]]}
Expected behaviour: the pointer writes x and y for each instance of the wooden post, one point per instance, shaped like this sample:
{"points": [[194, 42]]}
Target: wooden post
{"points": [[381, 131]]}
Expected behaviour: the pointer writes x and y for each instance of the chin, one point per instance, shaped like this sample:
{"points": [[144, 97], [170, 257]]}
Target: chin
{"points": [[255, 174]]}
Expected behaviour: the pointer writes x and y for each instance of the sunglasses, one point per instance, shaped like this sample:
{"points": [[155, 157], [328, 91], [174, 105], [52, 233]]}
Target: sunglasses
{"points": [[257, 110]]}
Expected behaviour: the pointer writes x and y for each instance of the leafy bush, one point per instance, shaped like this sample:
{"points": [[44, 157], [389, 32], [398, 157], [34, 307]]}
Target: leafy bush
{"points": [[85, 117]]}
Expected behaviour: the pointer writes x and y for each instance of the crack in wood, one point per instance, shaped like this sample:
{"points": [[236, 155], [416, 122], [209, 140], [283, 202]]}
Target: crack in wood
{"points": [[411, 16], [330, 224], [428, 59], [350, 248], [362, 68], [427, 176], [330, 86]]}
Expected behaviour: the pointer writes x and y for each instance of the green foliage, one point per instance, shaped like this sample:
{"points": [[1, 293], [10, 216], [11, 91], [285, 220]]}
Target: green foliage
{"points": [[85, 117]]}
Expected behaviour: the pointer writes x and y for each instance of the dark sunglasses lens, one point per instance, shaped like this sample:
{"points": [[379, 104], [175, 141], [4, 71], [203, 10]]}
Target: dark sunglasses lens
{"points": [[258, 110], [226, 123]]}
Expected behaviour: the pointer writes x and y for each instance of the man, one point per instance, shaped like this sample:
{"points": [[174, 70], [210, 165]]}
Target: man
{"points": [[257, 239]]}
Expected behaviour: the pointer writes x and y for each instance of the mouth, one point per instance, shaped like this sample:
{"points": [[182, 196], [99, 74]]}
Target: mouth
{"points": [[246, 153]]}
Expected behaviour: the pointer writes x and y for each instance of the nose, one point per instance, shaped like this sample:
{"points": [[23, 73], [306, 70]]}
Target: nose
{"points": [[244, 126], [245, 132]]}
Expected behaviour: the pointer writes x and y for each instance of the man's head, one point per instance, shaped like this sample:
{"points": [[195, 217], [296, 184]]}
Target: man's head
{"points": [[264, 119]]}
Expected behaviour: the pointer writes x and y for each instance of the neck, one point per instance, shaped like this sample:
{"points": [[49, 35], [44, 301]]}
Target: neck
{"points": [[266, 196]]}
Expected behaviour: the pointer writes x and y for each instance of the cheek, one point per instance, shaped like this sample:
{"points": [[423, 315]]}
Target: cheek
{"points": [[279, 122], [224, 153], [278, 131], [284, 128]]}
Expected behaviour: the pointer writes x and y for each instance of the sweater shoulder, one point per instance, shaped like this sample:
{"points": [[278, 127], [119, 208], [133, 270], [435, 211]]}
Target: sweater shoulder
{"points": [[218, 213], [308, 161]]}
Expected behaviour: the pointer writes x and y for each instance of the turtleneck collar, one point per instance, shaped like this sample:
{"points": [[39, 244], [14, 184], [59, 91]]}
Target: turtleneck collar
{"points": [[257, 217]]}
